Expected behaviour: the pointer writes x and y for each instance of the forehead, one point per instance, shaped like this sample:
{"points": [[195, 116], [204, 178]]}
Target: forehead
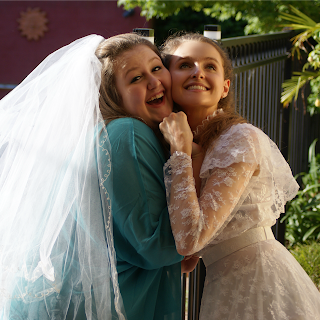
{"points": [[136, 57], [197, 50]]}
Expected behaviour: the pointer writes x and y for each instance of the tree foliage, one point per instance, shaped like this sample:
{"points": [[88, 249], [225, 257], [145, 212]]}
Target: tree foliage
{"points": [[262, 16], [190, 20], [306, 41]]}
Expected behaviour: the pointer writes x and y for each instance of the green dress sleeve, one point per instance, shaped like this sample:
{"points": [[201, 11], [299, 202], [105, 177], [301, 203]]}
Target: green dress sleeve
{"points": [[148, 264]]}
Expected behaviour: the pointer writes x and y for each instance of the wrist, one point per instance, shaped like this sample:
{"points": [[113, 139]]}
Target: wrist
{"points": [[184, 149]]}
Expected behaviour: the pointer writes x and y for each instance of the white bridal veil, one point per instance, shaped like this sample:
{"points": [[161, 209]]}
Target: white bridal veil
{"points": [[57, 258]]}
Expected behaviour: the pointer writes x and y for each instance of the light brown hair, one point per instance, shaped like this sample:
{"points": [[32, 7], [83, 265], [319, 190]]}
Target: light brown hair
{"points": [[223, 120]]}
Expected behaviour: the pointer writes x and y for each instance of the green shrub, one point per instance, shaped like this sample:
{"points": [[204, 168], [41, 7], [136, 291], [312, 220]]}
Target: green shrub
{"points": [[308, 255], [303, 212]]}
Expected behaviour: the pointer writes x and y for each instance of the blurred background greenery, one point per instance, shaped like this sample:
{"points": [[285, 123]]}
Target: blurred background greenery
{"points": [[190, 20]]}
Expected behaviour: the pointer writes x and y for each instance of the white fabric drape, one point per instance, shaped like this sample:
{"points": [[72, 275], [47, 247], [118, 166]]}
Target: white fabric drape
{"points": [[56, 244]]}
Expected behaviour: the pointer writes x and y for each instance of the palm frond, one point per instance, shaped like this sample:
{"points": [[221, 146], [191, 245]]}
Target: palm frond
{"points": [[292, 86], [304, 35], [300, 22], [299, 18]]}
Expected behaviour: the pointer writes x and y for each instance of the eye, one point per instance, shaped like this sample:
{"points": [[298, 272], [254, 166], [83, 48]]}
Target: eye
{"points": [[184, 65], [211, 67], [157, 68], [135, 79]]}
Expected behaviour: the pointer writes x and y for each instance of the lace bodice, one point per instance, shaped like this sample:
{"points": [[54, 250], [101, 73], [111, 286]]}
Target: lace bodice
{"points": [[245, 183]]}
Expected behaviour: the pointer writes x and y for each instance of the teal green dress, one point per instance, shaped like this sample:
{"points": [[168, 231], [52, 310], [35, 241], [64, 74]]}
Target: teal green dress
{"points": [[148, 264]]}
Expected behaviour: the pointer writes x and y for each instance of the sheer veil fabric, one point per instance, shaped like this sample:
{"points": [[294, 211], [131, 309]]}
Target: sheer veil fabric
{"points": [[56, 245]]}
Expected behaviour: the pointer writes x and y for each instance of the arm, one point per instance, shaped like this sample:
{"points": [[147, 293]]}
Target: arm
{"points": [[197, 159], [177, 132], [195, 222], [143, 235]]}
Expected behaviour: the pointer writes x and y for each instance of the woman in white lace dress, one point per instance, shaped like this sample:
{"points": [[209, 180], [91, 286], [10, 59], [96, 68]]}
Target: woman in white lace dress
{"points": [[243, 187]]}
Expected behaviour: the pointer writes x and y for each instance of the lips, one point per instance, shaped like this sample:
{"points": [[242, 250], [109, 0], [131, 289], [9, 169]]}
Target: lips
{"points": [[157, 99]]}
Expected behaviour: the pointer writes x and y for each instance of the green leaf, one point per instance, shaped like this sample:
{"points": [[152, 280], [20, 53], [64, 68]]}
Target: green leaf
{"points": [[292, 86], [311, 188], [309, 232], [299, 18]]}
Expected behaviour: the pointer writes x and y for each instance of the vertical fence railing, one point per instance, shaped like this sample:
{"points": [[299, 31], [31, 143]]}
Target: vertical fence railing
{"points": [[261, 65], [302, 131]]}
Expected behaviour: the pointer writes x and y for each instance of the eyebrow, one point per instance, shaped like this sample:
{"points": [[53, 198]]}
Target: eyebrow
{"points": [[191, 58], [134, 68]]}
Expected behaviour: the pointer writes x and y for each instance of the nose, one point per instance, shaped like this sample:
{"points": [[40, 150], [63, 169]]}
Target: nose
{"points": [[198, 72], [153, 82]]}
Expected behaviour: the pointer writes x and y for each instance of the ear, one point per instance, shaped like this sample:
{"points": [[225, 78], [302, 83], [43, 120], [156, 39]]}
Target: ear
{"points": [[226, 87]]}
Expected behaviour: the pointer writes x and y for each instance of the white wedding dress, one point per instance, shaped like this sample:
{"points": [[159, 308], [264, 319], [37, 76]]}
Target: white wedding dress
{"points": [[245, 184]]}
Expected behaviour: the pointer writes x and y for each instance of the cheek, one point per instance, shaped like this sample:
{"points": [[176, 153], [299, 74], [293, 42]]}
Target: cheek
{"points": [[176, 94], [168, 82], [132, 95], [174, 75], [130, 101], [178, 80], [165, 79], [122, 93], [175, 81]]}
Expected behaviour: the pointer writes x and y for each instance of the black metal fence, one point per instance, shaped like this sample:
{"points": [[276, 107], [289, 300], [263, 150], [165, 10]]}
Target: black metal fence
{"points": [[261, 64]]}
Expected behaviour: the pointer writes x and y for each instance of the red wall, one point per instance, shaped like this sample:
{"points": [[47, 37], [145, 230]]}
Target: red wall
{"points": [[67, 21]]}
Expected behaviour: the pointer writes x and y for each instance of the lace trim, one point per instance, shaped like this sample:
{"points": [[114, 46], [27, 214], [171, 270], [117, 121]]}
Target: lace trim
{"points": [[205, 121]]}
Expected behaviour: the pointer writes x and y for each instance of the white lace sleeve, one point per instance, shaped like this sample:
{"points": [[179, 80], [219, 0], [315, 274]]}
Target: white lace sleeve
{"points": [[195, 222]]}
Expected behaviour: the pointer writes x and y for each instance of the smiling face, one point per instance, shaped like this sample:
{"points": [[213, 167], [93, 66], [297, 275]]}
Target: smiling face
{"points": [[144, 85], [197, 78]]}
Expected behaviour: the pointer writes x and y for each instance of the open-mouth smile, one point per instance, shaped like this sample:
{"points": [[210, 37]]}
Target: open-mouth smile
{"points": [[157, 99]]}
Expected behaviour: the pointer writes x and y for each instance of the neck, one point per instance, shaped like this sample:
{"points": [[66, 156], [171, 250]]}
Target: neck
{"points": [[195, 117]]}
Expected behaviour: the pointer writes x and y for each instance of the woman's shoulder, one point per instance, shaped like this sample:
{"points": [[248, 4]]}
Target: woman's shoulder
{"points": [[127, 123], [239, 134], [132, 132], [239, 143], [242, 129], [128, 127]]}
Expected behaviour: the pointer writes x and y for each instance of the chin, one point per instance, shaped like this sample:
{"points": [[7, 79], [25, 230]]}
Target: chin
{"points": [[166, 113]]}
